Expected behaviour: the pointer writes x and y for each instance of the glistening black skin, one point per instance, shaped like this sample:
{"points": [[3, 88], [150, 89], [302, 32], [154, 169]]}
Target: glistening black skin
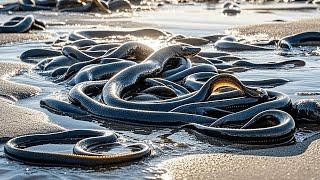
{"points": [[24, 25], [267, 127], [151, 108], [79, 96], [305, 38], [195, 81], [81, 156]]}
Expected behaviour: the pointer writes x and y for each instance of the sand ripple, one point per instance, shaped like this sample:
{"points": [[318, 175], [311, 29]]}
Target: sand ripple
{"points": [[15, 120]]}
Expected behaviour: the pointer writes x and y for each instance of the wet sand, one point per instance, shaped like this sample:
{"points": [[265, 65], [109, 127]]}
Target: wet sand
{"points": [[275, 163], [16, 120], [21, 37], [278, 29], [14, 90]]}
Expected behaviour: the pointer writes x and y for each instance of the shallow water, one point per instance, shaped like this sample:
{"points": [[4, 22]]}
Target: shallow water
{"points": [[188, 20]]}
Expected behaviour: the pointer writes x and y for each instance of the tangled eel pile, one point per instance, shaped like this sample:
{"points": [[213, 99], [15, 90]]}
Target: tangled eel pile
{"points": [[177, 85]]}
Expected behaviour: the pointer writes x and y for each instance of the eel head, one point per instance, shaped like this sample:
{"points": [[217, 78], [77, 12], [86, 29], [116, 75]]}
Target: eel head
{"points": [[307, 109]]}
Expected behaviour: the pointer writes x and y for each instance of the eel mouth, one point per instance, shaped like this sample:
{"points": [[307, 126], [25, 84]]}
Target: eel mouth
{"points": [[189, 51], [227, 80]]}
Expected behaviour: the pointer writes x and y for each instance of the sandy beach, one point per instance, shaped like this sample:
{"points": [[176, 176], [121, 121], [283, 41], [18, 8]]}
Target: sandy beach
{"points": [[277, 29], [16, 120], [290, 162], [179, 155]]}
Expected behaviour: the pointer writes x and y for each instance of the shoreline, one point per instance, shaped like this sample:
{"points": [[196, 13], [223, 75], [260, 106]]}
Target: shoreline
{"points": [[296, 161], [16, 120], [288, 162], [277, 29]]}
